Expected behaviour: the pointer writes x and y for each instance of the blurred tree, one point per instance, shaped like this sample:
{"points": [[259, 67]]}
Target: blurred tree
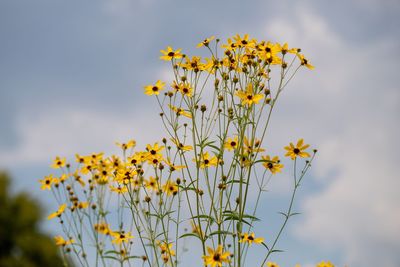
{"points": [[22, 244]]}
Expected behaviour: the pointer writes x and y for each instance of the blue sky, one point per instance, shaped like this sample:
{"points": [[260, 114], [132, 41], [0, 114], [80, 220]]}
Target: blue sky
{"points": [[71, 78]]}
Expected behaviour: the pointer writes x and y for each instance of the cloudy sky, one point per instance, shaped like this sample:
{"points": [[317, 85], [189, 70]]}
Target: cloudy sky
{"points": [[71, 78]]}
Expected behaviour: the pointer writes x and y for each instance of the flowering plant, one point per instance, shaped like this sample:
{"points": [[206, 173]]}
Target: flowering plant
{"points": [[136, 208]]}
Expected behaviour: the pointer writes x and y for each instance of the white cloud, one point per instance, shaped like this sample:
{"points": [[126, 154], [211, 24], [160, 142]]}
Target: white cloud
{"points": [[69, 131], [354, 121]]}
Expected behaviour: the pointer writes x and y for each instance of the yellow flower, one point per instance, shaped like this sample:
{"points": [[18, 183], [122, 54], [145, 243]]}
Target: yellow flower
{"points": [[268, 52], [285, 49], [248, 97], [216, 257], [231, 143], [194, 64], [166, 248], [325, 264], [151, 183], [272, 264], [119, 189], [81, 159], [127, 145], [273, 164], [47, 182], [137, 158], [186, 89], [172, 166], [154, 89], [154, 149], [102, 228], [249, 238], [83, 205], [230, 46], [298, 150], [243, 41], [120, 237], [58, 212], [207, 161], [170, 54], [252, 146], [58, 163], [206, 41], [305, 62], [60, 241], [181, 146], [180, 111], [62, 178], [170, 188]]}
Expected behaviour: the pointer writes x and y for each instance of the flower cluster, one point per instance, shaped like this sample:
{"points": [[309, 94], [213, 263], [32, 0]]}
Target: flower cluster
{"points": [[138, 206]]}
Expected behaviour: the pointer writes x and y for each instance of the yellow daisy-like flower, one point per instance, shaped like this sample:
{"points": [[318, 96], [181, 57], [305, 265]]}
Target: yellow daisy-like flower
{"points": [[298, 150], [248, 97], [186, 89], [207, 161], [58, 163], [83, 205], [60, 241], [273, 164], [154, 89], [170, 54], [231, 143], [119, 189], [230, 46], [172, 166], [243, 41], [181, 146], [194, 64], [154, 149], [180, 111], [250, 238], [127, 145], [252, 145], [206, 41], [285, 49], [102, 228], [121, 237], [216, 257], [170, 188], [325, 264], [151, 183], [58, 212], [272, 264], [47, 182], [166, 248], [305, 62]]}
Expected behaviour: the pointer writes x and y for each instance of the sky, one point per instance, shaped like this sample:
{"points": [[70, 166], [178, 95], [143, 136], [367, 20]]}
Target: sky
{"points": [[72, 76]]}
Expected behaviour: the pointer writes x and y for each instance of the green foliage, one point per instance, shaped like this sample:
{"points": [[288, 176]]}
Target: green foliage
{"points": [[22, 244]]}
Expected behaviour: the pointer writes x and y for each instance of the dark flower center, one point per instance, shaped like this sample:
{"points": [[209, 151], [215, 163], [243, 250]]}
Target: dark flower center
{"points": [[233, 143], [249, 97], [206, 161], [155, 88], [296, 151], [171, 54], [217, 257], [270, 165]]}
